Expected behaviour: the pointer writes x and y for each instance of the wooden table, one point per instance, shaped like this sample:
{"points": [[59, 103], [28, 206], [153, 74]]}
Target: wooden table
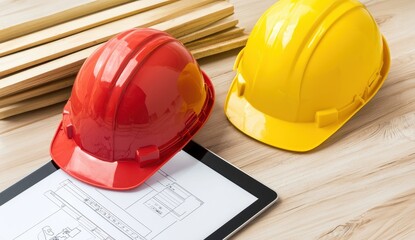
{"points": [[360, 184]]}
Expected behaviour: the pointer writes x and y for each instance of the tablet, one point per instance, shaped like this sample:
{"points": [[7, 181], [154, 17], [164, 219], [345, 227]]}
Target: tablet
{"points": [[196, 195]]}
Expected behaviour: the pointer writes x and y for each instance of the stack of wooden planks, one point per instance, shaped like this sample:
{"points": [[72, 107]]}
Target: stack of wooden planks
{"points": [[39, 61]]}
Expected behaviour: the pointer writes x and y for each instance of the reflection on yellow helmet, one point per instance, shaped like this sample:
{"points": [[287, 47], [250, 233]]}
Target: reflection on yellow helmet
{"points": [[307, 68]]}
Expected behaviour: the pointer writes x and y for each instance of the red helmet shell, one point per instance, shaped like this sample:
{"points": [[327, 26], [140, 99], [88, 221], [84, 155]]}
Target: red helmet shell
{"points": [[136, 102]]}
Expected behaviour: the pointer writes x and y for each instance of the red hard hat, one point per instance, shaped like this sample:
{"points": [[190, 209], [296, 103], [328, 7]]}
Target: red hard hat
{"points": [[135, 103]]}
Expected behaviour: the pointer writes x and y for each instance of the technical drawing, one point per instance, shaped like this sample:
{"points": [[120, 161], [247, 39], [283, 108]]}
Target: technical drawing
{"points": [[66, 223], [173, 199], [167, 201], [102, 211], [140, 214], [67, 233]]}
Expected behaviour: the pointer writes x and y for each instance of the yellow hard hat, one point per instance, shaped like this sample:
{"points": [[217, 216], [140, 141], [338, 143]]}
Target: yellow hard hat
{"points": [[307, 68]]}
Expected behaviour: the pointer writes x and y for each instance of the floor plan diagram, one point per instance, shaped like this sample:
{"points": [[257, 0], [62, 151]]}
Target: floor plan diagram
{"points": [[147, 211]]}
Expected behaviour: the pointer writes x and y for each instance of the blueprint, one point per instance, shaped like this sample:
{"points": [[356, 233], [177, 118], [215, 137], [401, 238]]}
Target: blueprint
{"points": [[183, 200]]}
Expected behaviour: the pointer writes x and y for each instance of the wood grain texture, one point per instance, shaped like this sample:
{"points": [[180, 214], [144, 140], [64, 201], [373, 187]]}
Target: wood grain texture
{"points": [[196, 20], [36, 55], [222, 36], [35, 103], [44, 73], [215, 46], [18, 18], [359, 184], [218, 26], [77, 25], [37, 91]]}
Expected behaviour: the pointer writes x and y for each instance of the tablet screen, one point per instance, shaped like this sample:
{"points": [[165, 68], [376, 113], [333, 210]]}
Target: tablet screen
{"points": [[184, 200]]}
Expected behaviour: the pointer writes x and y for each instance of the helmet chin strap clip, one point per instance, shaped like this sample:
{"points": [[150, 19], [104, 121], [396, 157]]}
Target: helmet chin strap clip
{"points": [[69, 131], [147, 156], [67, 125], [241, 83]]}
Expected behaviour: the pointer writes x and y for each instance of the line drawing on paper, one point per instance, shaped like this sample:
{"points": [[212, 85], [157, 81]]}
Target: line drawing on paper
{"points": [[173, 199], [166, 199], [142, 213], [103, 212], [65, 223], [66, 233]]}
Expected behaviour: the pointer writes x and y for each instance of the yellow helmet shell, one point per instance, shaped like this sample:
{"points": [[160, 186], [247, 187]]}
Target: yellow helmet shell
{"points": [[307, 68]]}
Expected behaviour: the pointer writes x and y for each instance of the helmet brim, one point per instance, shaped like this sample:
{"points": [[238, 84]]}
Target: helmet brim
{"points": [[119, 175], [292, 136]]}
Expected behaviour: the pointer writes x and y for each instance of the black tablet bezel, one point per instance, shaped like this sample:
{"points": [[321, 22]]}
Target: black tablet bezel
{"points": [[265, 196]]}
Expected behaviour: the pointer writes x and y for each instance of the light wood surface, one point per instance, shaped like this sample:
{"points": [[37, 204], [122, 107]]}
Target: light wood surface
{"points": [[49, 51], [221, 25], [18, 18], [77, 25], [36, 91], [360, 184]]}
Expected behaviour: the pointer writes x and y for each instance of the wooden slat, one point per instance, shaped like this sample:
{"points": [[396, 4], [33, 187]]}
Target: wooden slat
{"points": [[62, 95], [44, 73], [38, 91], [19, 18], [77, 25], [216, 38], [218, 26], [196, 25], [27, 58], [220, 47], [35, 103], [71, 63]]}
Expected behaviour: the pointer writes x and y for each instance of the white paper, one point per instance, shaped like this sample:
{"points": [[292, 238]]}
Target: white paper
{"points": [[184, 200]]}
